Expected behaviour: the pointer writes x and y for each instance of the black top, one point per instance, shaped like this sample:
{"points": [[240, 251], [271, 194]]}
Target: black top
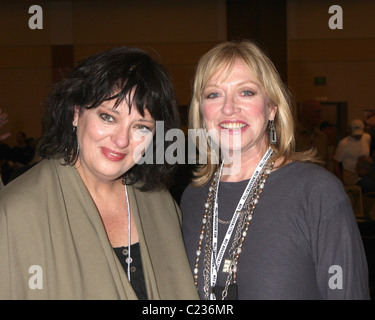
{"points": [[302, 235], [137, 278]]}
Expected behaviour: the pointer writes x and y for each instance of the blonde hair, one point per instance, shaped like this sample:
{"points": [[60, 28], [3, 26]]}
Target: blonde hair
{"points": [[224, 56]]}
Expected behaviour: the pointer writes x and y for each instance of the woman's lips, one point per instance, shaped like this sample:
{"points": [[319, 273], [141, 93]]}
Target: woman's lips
{"points": [[113, 155]]}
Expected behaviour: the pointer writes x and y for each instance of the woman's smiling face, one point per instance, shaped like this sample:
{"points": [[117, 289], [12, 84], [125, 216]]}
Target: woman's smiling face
{"points": [[234, 105], [110, 139]]}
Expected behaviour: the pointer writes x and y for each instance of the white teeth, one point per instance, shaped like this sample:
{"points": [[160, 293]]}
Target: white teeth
{"points": [[233, 125], [113, 154]]}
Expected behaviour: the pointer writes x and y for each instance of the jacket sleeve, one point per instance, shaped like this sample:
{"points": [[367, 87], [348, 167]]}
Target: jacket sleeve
{"points": [[4, 260]]}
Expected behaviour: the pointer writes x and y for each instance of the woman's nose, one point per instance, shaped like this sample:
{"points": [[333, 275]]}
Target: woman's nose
{"points": [[121, 137], [230, 106]]}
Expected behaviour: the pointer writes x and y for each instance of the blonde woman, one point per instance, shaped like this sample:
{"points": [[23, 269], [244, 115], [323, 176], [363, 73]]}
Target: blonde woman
{"points": [[271, 224]]}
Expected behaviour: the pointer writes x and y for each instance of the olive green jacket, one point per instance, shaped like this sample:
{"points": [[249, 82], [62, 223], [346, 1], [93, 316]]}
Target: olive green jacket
{"points": [[53, 244]]}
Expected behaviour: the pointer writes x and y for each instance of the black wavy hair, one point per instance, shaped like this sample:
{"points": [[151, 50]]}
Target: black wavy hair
{"points": [[112, 74]]}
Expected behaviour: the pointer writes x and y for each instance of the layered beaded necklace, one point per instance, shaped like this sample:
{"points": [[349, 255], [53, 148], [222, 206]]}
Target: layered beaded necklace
{"points": [[209, 231]]}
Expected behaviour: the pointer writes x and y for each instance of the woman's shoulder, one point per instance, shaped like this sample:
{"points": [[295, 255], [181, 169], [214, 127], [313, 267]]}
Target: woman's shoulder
{"points": [[192, 190], [305, 167], [30, 183], [23, 179], [22, 199], [308, 173], [311, 186], [194, 195]]}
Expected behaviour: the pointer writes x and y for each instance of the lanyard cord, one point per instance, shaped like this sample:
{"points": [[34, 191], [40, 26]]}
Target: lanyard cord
{"points": [[216, 258]]}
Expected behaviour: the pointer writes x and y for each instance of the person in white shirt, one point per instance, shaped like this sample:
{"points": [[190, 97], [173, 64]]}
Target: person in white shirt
{"points": [[356, 144]]}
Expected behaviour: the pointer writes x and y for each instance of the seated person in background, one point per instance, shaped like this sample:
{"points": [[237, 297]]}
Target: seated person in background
{"points": [[349, 149], [366, 173]]}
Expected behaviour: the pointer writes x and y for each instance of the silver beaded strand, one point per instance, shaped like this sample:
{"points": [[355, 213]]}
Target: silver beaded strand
{"points": [[239, 237]]}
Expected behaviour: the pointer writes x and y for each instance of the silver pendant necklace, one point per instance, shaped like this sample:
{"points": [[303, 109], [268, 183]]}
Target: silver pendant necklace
{"points": [[128, 259]]}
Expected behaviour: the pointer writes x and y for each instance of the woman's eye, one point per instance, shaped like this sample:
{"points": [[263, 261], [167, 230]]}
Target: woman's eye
{"points": [[247, 93], [143, 128], [106, 117], [212, 95]]}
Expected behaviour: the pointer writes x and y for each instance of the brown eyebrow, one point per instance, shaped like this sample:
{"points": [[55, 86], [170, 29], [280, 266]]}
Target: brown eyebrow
{"points": [[209, 84], [115, 111], [145, 120]]}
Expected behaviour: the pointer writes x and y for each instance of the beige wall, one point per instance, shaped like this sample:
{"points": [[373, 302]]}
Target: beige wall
{"points": [[345, 57], [177, 33], [25, 69]]}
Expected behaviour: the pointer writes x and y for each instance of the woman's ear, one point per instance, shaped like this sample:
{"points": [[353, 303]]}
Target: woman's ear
{"points": [[76, 116], [273, 111]]}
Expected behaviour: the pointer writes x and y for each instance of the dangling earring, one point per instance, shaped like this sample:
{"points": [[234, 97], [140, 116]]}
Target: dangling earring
{"points": [[206, 135], [75, 133], [273, 137]]}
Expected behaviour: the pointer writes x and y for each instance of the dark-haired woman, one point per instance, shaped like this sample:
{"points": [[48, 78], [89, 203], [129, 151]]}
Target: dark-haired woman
{"points": [[90, 221]]}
